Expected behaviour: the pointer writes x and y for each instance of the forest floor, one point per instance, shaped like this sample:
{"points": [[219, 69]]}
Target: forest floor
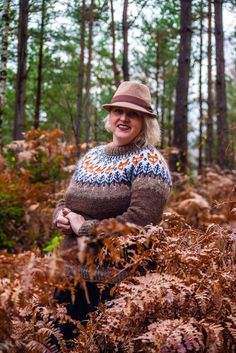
{"points": [[180, 295]]}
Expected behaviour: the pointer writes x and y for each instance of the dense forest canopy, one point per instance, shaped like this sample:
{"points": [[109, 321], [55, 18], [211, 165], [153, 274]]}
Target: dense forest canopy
{"points": [[61, 60]]}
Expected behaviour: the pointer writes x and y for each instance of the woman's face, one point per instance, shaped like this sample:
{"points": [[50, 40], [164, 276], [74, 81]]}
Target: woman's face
{"points": [[125, 125]]}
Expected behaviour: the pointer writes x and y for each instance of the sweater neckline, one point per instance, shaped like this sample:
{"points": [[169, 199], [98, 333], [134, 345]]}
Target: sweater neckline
{"points": [[120, 150]]}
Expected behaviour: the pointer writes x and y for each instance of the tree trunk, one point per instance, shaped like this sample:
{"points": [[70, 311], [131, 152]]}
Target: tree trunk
{"points": [[209, 140], [113, 33], [221, 108], [163, 103], [95, 120], [80, 79], [200, 93], [180, 140], [125, 28], [88, 78], [4, 56], [19, 120], [40, 67], [169, 120], [157, 73]]}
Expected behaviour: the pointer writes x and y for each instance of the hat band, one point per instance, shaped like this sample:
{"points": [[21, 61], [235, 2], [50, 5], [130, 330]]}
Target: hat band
{"points": [[130, 99]]}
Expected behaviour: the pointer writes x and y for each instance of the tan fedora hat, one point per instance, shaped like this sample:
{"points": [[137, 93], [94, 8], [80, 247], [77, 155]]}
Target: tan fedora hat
{"points": [[132, 95]]}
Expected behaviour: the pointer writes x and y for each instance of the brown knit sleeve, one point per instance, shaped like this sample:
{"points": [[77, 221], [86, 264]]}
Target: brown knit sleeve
{"points": [[148, 198], [60, 206], [87, 227]]}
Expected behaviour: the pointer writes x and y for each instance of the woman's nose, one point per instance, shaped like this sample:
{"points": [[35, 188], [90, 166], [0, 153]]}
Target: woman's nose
{"points": [[124, 116]]}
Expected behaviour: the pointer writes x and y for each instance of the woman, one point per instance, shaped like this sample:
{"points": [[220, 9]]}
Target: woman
{"points": [[127, 180]]}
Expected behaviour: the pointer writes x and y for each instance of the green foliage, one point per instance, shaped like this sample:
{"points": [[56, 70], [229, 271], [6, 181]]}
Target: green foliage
{"points": [[5, 240], [11, 216], [15, 213], [153, 52], [54, 242]]}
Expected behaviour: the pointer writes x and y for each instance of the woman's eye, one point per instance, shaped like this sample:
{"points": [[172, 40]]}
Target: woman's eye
{"points": [[118, 111], [133, 114]]}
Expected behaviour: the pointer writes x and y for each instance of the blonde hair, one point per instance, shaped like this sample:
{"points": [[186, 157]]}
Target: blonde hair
{"points": [[150, 135]]}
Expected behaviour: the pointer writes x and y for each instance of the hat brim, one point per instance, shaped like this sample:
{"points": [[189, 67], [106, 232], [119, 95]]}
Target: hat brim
{"points": [[129, 106]]}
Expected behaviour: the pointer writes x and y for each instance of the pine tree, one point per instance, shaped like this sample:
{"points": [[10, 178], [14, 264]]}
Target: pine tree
{"points": [[209, 140], [180, 139], [88, 73], [3, 59], [40, 66], [80, 77], [200, 157], [19, 122], [125, 29], [221, 107]]}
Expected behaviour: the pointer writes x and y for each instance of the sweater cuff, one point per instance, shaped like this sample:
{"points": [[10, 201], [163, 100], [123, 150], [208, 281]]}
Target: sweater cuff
{"points": [[55, 215], [87, 229]]}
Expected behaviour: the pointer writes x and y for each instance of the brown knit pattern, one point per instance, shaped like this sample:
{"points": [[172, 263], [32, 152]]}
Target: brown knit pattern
{"points": [[140, 199]]}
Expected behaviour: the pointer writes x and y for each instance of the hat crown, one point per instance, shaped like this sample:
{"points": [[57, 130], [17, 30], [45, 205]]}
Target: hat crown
{"points": [[132, 95], [134, 89]]}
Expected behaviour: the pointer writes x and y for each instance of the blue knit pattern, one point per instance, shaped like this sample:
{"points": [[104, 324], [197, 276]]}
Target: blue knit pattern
{"points": [[99, 168]]}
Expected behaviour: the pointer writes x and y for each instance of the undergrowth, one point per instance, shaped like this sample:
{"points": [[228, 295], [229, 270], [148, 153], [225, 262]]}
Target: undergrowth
{"points": [[179, 297]]}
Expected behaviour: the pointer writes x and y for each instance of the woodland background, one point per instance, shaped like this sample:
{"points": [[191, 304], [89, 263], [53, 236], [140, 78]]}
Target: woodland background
{"points": [[60, 61]]}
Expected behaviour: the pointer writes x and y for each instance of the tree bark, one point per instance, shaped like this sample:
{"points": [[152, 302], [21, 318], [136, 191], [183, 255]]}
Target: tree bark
{"points": [[4, 57], [157, 73], [19, 120], [221, 108], [88, 78], [40, 67], [95, 120], [209, 140], [163, 104], [200, 94], [116, 71], [180, 139], [169, 120], [80, 79], [125, 28]]}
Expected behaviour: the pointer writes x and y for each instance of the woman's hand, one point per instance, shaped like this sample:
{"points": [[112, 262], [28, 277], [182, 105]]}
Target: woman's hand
{"points": [[76, 221], [63, 223]]}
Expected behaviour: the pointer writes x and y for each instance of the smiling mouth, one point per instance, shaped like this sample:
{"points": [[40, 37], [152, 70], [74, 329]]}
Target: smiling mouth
{"points": [[123, 127]]}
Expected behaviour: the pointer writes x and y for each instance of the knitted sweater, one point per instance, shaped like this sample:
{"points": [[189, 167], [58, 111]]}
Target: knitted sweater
{"points": [[126, 183]]}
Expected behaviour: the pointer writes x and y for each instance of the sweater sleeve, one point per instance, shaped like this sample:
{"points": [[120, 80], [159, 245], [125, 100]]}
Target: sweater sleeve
{"points": [[148, 198], [60, 206]]}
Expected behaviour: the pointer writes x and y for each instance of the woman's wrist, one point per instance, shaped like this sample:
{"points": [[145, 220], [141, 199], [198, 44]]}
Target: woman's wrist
{"points": [[76, 221]]}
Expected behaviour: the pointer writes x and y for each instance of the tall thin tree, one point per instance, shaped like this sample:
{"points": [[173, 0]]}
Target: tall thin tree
{"points": [[116, 71], [19, 121], [88, 73], [125, 29], [221, 107], [5, 19], [200, 92], [163, 105], [157, 72], [180, 139], [169, 120], [40, 66], [77, 128], [209, 139]]}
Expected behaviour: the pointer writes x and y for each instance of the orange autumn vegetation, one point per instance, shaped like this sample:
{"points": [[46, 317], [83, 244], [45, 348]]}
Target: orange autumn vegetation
{"points": [[33, 172], [180, 297]]}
